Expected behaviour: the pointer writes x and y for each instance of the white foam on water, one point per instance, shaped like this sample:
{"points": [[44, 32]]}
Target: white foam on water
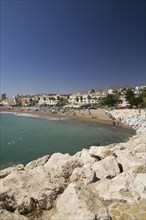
{"points": [[40, 116], [20, 138]]}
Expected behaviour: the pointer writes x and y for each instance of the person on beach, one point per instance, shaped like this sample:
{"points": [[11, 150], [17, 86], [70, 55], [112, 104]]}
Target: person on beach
{"points": [[118, 123], [114, 122]]}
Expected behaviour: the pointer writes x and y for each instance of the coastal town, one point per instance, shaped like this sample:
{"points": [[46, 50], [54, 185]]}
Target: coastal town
{"points": [[119, 98]]}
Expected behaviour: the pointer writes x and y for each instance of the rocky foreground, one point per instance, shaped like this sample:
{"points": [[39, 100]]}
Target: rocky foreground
{"points": [[101, 183]]}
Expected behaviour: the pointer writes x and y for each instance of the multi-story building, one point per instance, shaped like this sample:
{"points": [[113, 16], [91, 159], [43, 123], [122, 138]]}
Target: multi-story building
{"points": [[85, 98], [3, 96]]}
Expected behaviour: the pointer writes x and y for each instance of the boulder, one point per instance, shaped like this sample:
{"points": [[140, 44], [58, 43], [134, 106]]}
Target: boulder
{"points": [[87, 175], [62, 165], [138, 186], [100, 152], [86, 158], [78, 203], [39, 162], [30, 188], [131, 162], [118, 188], [106, 168], [140, 147], [5, 172]]}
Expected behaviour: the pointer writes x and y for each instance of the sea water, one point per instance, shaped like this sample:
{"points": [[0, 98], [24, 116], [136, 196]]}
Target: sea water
{"points": [[25, 137]]}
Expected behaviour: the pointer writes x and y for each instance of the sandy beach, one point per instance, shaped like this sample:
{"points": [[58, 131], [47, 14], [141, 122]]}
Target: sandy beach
{"points": [[95, 115]]}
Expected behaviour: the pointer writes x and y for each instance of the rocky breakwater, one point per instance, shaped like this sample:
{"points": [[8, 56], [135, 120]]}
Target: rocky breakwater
{"points": [[100, 183]]}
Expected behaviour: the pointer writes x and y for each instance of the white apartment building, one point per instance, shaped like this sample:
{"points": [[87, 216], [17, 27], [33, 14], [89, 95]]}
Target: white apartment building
{"points": [[84, 98], [48, 100]]}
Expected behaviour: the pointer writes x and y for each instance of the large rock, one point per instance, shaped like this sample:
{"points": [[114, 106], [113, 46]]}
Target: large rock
{"points": [[29, 188], [62, 165], [106, 168], [5, 172], [78, 203], [100, 152], [138, 186], [85, 157], [140, 147], [85, 174], [114, 189], [127, 186], [39, 162], [131, 162]]}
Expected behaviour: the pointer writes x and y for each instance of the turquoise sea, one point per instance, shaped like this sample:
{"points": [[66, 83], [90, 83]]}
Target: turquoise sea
{"points": [[27, 137]]}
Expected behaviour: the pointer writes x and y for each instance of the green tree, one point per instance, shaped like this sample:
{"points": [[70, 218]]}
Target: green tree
{"points": [[77, 98], [111, 100], [143, 96], [89, 97], [58, 98], [92, 91], [62, 102], [129, 95], [139, 101], [135, 101]]}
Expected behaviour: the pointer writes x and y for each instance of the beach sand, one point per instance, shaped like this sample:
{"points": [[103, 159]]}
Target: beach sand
{"points": [[95, 115]]}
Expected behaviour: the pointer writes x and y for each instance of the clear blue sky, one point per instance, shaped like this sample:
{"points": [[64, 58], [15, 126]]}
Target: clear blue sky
{"points": [[70, 46]]}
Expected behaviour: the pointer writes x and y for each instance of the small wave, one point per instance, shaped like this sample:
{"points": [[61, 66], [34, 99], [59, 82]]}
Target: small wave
{"points": [[20, 138], [40, 116], [55, 118], [11, 143], [27, 115]]}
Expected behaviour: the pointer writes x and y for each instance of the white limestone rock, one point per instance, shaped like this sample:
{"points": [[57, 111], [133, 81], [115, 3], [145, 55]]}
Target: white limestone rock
{"points": [[5, 172], [131, 162], [39, 162], [138, 186], [78, 203], [140, 147], [118, 188], [100, 152], [28, 188], [106, 168], [140, 155], [85, 157], [62, 165], [87, 175]]}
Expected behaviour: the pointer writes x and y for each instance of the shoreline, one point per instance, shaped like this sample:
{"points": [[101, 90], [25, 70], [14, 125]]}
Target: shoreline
{"points": [[95, 116]]}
